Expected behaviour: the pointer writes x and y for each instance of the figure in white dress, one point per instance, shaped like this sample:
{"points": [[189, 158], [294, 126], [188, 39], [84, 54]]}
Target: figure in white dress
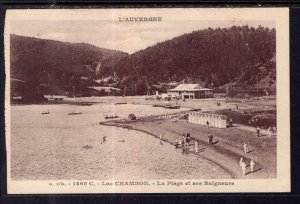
{"points": [[246, 150], [252, 165], [241, 161], [243, 166]]}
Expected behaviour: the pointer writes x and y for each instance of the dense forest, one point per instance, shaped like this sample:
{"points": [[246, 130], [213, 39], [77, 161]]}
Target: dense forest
{"points": [[60, 65], [241, 57], [236, 55]]}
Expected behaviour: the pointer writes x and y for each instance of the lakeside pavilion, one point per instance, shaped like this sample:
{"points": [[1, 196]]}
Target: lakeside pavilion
{"points": [[191, 91]]}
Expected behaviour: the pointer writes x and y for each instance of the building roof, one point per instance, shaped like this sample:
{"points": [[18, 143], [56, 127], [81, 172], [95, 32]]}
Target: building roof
{"points": [[189, 87]]}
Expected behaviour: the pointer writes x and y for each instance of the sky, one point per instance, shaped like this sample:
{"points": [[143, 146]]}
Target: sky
{"points": [[124, 36]]}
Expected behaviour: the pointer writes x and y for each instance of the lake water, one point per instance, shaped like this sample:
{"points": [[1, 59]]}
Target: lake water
{"points": [[60, 146]]}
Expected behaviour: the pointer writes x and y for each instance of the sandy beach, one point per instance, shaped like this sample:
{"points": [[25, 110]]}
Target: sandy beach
{"points": [[57, 145], [227, 148]]}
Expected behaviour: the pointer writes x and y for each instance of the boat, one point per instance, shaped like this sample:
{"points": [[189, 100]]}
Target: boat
{"points": [[157, 105], [111, 117], [76, 112], [172, 106], [120, 103], [45, 112]]}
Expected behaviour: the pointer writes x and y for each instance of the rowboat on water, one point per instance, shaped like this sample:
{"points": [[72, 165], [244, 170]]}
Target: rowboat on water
{"points": [[45, 112], [75, 113], [120, 103], [111, 117]]}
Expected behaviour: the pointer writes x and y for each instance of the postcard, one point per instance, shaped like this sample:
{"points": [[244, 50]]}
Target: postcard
{"points": [[147, 100]]}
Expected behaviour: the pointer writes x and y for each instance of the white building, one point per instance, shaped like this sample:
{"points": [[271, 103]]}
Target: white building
{"points": [[191, 91], [208, 119]]}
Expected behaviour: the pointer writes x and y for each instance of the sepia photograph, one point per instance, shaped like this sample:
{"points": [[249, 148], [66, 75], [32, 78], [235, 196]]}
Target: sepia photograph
{"points": [[147, 100]]}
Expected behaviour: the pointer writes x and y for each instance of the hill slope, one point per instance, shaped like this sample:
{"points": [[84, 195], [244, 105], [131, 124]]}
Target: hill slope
{"points": [[60, 64], [236, 55]]}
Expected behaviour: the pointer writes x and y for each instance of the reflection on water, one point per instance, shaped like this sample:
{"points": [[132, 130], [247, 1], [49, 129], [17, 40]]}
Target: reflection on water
{"points": [[60, 146]]}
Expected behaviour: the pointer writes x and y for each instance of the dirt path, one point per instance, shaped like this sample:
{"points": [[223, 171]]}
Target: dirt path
{"points": [[226, 150], [263, 132]]}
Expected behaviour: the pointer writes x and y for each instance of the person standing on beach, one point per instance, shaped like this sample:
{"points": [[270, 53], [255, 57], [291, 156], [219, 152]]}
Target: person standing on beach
{"points": [[186, 144], [246, 150], [210, 139], [257, 131], [183, 140], [188, 139], [241, 161], [179, 142], [230, 122], [252, 165], [160, 139], [243, 167]]}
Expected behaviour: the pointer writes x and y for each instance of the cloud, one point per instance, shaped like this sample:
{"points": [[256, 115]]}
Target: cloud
{"points": [[55, 36]]}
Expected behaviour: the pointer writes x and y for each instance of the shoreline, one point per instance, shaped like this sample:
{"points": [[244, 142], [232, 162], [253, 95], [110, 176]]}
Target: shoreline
{"points": [[173, 144], [189, 103], [222, 154]]}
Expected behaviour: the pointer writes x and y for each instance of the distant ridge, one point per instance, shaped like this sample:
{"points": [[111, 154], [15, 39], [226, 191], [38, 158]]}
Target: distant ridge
{"points": [[37, 60]]}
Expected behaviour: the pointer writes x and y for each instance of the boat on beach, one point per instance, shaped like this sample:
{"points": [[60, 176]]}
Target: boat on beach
{"points": [[157, 105], [169, 106], [172, 106]]}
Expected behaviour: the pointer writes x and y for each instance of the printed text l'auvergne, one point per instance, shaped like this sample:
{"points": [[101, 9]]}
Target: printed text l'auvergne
{"points": [[139, 19]]}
